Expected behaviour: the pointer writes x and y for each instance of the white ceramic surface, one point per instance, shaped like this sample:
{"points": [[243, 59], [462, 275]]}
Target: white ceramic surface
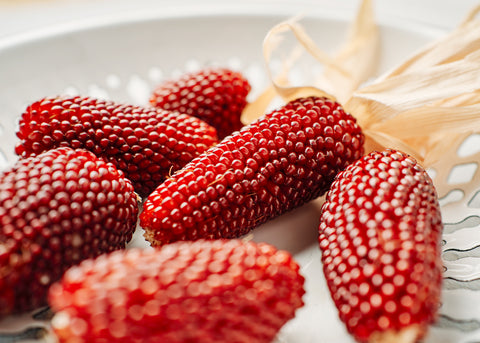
{"points": [[123, 57]]}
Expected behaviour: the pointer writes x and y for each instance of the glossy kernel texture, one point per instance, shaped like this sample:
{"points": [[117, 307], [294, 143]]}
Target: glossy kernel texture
{"points": [[57, 209], [147, 144], [203, 291], [380, 237], [215, 95], [285, 159]]}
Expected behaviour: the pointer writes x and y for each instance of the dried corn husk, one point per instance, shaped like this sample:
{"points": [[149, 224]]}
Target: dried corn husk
{"points": [[425, 106], [353, 63], [428, 104]]}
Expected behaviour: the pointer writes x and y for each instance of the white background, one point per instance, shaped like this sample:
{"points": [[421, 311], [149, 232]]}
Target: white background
{"points": [[22, 16]]}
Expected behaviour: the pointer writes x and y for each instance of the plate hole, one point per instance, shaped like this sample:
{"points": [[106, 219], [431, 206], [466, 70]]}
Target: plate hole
{"points": [[3, 161], [469, 146], [71, 91], [139, 90], [235, 63], [192, 66], [468, 222], [455, 255], [113, 81], [155, 75], [432, 173], [452, 196], [98, 92], [256, 75], [462, 173], [475, 201]]}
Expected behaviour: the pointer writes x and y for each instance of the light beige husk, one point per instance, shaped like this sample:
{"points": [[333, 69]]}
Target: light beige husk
{"points": [[426, 106], [410, 334]]}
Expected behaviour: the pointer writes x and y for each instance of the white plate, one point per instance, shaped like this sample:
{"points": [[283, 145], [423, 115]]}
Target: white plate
{"points": [[123, 59]]}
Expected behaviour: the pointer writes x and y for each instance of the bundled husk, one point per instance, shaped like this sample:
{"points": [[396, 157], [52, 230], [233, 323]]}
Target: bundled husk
{"points": [[425, 106], [340, 75]]}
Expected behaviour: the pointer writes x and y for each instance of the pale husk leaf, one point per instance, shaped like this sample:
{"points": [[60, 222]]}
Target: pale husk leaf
{"points": [[359, 55], [431, 102], [353, 63], [425, 106]]}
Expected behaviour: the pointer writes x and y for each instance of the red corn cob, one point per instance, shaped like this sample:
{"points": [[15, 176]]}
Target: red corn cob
{"points": [[268, 168], [380, 236], [57, 209], [203, 291], [145, 143], [215, 95]]}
